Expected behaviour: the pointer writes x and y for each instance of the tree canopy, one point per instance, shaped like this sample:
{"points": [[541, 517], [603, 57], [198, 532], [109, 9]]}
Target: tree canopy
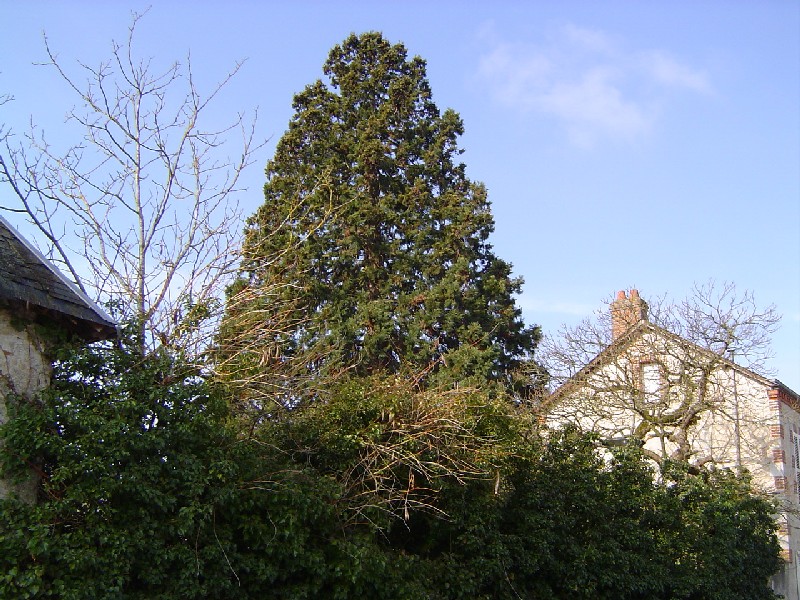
{"points": [[373, 236]]}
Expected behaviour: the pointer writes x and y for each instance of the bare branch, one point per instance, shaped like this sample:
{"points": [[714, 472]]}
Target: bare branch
{"points": [[668, 378], [142, 211]]}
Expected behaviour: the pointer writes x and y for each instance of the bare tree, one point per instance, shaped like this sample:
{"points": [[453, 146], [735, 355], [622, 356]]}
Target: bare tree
{"points": [[665, 374], [727, 322], [142, 212]]}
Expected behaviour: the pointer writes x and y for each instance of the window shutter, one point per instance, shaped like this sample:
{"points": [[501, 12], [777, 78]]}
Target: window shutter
{"points": [[796, 461]]}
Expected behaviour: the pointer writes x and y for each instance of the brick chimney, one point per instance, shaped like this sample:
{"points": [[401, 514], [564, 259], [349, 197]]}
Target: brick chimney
{"points": [[626, 311]]}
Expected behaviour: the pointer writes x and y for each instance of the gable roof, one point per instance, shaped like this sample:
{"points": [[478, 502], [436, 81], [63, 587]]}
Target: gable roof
{"points": [[640, 328], [32, 285]]}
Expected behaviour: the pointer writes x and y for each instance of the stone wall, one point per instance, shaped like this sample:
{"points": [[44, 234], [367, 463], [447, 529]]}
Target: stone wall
{"points": [[24, 372]]}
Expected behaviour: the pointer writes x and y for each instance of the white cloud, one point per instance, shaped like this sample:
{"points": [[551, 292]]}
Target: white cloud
{"points": [[594, 106], [589, 39], [514, 77], [668, 72], [581, 78]]}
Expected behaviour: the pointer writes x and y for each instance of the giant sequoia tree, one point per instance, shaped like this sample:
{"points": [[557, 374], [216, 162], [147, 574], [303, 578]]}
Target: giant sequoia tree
{"points": [[370, 252]]}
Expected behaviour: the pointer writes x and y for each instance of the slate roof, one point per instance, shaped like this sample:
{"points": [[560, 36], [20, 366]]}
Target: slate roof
{"points": [[32, 286]]}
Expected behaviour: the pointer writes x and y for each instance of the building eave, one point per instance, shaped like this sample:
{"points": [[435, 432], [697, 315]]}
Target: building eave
{"points": [[34, 288]]}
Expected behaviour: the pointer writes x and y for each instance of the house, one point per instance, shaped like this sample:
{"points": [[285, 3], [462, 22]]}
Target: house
{"points": [[34, 293], [689, 403]]}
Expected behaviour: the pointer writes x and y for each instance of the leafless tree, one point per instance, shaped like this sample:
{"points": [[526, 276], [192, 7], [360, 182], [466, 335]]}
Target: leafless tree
{"points": [[727, 322], [142, 212], [665, 374]]}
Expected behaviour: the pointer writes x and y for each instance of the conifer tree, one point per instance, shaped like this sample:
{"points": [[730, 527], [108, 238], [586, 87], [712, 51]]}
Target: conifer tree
{"points": [[371, 252]]}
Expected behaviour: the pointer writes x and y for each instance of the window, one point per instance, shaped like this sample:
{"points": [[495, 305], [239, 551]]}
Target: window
{"points": [[652, 382]]}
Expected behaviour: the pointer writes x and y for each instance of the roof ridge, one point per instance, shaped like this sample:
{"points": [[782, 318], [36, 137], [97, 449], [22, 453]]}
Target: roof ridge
{"points": [[646, 324]]}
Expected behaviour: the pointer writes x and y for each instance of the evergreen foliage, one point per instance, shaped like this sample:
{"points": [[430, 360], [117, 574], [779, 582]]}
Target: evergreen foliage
{"points": [[131, 455], [375, 238], [147, 491], [567, 523]]}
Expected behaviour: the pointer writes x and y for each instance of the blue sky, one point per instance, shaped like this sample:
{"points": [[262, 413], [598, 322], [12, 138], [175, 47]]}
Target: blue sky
{"points": [[624, 144]]}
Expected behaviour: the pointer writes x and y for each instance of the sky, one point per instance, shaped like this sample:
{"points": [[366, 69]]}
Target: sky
{"points": [[642, 144]]}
